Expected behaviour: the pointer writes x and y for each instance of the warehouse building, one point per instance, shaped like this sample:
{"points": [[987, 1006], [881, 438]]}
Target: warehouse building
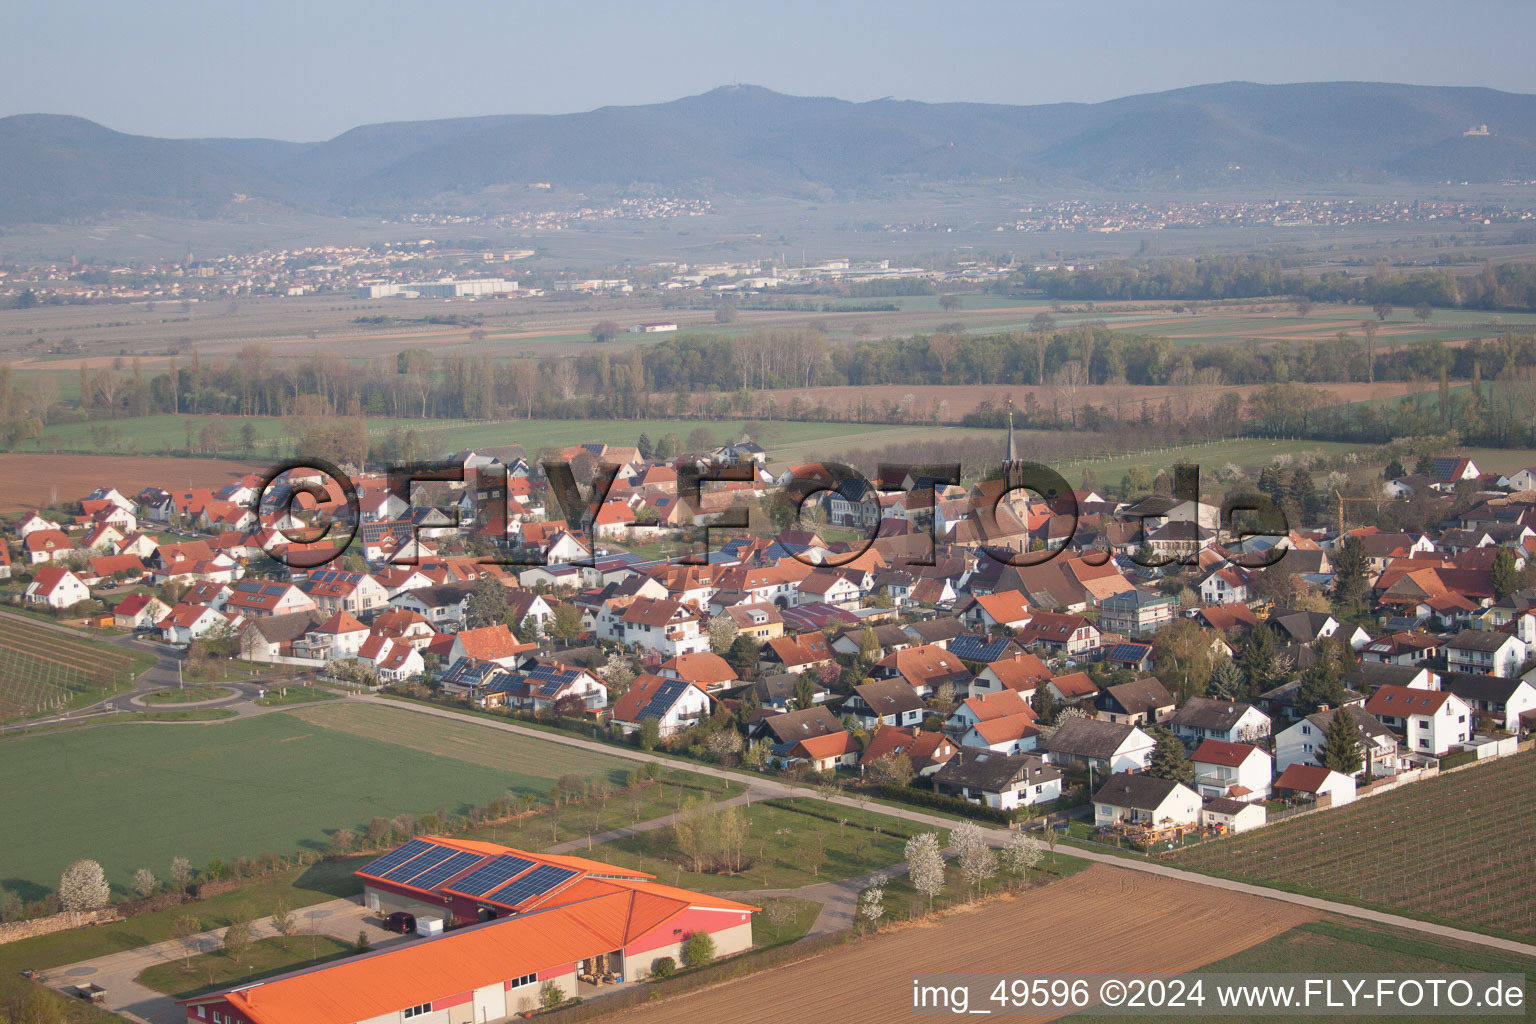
{"points": [[523, 920]]}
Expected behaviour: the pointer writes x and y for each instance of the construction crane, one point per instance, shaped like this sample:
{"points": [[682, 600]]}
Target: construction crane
{"points": [[1341, 500]]}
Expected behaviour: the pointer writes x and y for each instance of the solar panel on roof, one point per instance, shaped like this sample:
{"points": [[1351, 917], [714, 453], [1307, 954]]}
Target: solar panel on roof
{"points": [[535, 883], [444, 871], [493, 876], [411, 868], [395, 858], [663, 699]]}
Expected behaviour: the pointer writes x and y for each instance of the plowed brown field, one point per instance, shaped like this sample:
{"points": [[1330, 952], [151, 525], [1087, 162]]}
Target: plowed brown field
{"points": [[1100, 920], [34, 481]]}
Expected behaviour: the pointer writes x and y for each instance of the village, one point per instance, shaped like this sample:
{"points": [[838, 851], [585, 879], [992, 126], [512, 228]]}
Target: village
{"points": [[1119, 666]]}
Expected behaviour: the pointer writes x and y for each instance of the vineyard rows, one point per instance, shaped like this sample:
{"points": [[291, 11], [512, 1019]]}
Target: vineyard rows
{"points": [[1456, 847]]}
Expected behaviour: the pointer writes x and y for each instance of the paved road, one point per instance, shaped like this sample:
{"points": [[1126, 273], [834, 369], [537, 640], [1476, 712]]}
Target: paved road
{"points": [[775, 787], [339, 919]]}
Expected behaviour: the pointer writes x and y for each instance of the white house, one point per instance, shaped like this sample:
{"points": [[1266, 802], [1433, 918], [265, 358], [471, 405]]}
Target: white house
{"points": [[1204, 718], [56, 587], [1004, 781], [1137, 798], [1318, 782], [1430, 721], [186, 622], [1103, 746], [1232, 815], [1303, 742], [1476, 650], [1011, 734], [1237, 771], [1501, 700], [673, 704]]}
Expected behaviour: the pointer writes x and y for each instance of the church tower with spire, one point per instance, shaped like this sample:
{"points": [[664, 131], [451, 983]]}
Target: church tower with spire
{"points": [[1012, 458]]}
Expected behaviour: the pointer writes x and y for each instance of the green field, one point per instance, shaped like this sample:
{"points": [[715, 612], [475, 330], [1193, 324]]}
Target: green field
{"points": [[152, 434], [781, 849], [1332, 946], [135, 796]]}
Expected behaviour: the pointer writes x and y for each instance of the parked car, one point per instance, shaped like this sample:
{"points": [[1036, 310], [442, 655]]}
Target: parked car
{"points": [[401, 922]]}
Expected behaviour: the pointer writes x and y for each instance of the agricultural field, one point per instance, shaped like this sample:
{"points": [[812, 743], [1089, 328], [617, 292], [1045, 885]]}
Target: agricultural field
{"points": [[43, 670], [1448, 849], [38, 481], [1075, 926], [138, 795], [1335, 945]]}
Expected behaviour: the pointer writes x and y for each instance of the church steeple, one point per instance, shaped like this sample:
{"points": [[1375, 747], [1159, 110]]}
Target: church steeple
{"points": [[1013, 453]]}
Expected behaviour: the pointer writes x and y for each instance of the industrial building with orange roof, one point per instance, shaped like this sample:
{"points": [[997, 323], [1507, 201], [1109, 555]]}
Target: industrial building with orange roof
{"points": [[516, 920]]}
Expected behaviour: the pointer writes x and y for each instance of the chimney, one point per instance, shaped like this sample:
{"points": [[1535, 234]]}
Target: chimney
{"points": [[1324, 707]]}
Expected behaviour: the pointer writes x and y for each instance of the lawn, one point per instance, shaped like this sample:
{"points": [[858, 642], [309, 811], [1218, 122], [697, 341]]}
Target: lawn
{"points": [[1446, 849], [781, 851], [553, 825], [135, 796], [279, 695], [208, 972], [188, 694], [766, 933], [1334, 946]]}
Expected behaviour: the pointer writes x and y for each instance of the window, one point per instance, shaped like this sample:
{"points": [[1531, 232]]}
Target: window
{"points": [[416, 1011], [527, 979]]}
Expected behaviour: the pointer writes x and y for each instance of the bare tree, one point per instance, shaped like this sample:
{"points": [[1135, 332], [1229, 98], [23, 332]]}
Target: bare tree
{"points": [[1070, 379]]}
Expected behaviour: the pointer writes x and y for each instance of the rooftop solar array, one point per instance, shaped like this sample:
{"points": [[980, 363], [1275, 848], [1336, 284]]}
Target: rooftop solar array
{"points": [[494, 875], [395, 858], [405, 872], [535, 883], [970, 647], [663, 699], [434, 877]]}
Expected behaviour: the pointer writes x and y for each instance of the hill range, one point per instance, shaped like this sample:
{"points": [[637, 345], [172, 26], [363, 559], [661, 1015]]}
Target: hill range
{"points": [[746, 140]]}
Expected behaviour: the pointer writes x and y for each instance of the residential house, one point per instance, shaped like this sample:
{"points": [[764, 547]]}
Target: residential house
{"points": [[336, 590], [441, 605], [1209, 718], [1010, 734], [667, 627], [56, 587], [1139, 702], [1005, 610], [1239, 771], [1060, 633], [776, 691], [925, 669], [47, 546], [1133, 656], [258, 598], [1101, 746], [889, 702], [1227, 815], [1430, 722], [1328, 788], [673, 704], [927, 751], [138, 611], [495, 644], [1134, 798], [1004, 781], [1137, 612], [787, 729], [758, 621], [1018, 671], [824, 753], [1303, 742], [1499, 701], [704, 669], [187, 622], [1073, 687], [796, 653], [1475, 650]]}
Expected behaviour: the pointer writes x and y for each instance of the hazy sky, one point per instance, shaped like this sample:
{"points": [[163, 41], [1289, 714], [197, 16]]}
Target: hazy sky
{"points": [[312, 70]]}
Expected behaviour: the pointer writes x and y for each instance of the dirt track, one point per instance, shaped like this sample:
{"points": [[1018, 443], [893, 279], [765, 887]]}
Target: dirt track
{"points": [[1101, 920], [34, 481]]}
